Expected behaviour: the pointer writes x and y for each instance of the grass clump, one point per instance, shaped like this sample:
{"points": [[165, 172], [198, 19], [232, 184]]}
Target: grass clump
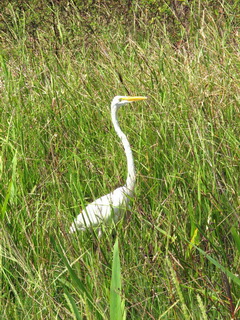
{"points": [[179, 247]]}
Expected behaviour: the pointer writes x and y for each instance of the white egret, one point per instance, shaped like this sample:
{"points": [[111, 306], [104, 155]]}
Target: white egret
{"points": [[111, 205]]}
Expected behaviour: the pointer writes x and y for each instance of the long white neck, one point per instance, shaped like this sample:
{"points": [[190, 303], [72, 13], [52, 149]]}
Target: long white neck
{"points": [[131, 175]]}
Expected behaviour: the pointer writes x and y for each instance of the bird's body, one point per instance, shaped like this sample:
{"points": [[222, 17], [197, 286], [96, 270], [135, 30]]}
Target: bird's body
{"points": [[106, 208], [110, 206]]}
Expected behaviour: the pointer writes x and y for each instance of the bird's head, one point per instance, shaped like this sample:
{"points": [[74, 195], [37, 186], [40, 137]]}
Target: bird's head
{"points": [[119, 101]]}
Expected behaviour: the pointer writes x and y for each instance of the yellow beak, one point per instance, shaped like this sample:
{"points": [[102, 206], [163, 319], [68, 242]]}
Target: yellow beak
{"points": [[134, 98]]}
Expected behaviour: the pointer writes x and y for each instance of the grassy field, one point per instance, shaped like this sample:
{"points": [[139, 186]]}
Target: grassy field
{"points": [[179, 246]]}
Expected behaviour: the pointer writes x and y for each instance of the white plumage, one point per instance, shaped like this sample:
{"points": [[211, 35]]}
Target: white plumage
{"points": [[103, 209], [113, 204]]}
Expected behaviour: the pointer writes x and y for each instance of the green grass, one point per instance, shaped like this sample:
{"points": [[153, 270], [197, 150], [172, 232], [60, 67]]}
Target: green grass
{"points": [[179, 246]]}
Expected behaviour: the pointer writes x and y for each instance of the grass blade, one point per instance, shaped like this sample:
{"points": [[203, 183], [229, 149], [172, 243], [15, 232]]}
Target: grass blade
{"points": [[219, 266], [115, 290], [72, 305]]}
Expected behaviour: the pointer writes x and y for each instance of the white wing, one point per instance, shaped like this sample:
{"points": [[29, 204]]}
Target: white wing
{"points": [[102, 209]]}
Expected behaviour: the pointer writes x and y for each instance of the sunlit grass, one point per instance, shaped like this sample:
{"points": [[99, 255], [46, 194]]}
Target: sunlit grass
{"points": [[59, 151]]}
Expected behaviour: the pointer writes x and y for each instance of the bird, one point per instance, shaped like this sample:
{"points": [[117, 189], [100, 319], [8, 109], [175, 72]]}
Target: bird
{"points": [[111, 205]]}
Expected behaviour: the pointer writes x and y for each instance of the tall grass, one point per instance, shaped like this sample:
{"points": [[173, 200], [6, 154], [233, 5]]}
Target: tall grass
{"points": [[179, 244]]}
